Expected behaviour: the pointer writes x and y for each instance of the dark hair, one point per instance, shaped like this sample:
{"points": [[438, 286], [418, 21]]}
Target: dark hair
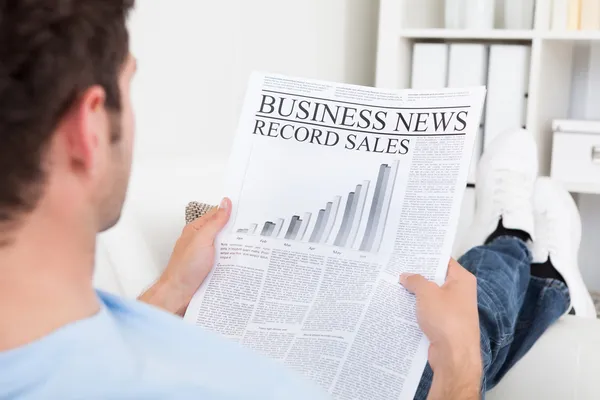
{"points": [[51, 51]]}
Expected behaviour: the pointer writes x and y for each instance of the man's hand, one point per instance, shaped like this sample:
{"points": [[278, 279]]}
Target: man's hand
{"points": [[190, 263], [448, 315]]}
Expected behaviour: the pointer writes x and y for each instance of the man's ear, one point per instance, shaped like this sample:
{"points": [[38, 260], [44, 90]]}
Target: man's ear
{"points": [[86, 127]]}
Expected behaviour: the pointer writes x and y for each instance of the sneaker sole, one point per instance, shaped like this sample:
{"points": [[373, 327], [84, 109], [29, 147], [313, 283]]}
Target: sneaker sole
{"points": [[581, 300]]}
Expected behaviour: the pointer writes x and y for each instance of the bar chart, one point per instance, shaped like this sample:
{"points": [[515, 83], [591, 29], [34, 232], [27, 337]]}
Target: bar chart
{"points": [[339, 221]]}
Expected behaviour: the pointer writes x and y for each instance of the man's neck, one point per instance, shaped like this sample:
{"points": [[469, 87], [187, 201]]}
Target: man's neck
{"points": [[45, 278]]}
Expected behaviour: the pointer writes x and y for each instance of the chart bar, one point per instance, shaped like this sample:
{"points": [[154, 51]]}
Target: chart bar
{"points": [[361, 194], [267, 229], [335, 208], [376, 208], [386, 207], [314, 238], [325, 220], [293, 223], [278, 227], [346, 221], [304, 226], [297, 225], [351, 216], [252, 229]]}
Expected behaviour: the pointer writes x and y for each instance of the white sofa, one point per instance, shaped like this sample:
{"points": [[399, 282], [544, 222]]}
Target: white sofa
{"points": [[563, 365]]}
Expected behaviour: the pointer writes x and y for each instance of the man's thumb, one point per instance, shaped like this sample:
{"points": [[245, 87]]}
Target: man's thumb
{"points": [[414, 283], [215, 222]]}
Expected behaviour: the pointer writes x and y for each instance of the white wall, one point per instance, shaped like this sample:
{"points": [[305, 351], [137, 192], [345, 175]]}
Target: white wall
{"points": [[195, 57]]}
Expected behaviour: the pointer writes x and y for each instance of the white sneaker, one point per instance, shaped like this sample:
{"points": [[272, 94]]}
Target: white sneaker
{"points": [[505, 181], [558, 235]]}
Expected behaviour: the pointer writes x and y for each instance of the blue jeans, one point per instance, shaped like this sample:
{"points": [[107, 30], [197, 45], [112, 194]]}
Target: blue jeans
{"points": [[515, 308]]}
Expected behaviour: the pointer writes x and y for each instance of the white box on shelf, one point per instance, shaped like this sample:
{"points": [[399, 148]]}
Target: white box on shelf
{"points": [[468, 66], [429, 66], [590, 14], [508, 85], [480, 14], [579, 82], [560, 12], [576, 161], [499, 14], [518, 14], [423, 14], [573, 125], [574, 15], [593, 85], [454, 14], [585, 85]]}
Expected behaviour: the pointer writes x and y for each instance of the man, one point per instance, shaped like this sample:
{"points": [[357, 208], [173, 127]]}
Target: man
{"points": [[66, 131]]}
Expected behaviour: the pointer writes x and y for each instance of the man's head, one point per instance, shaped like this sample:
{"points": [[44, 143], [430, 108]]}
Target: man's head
{"points": [[66, 123]]}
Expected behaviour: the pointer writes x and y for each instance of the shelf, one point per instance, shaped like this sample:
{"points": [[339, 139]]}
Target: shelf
{"points": [[468, 34], [573, 35], [498, 34]]}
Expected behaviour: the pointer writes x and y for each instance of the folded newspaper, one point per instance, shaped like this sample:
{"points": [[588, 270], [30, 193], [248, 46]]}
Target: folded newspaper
{"points": [[337, 190]]}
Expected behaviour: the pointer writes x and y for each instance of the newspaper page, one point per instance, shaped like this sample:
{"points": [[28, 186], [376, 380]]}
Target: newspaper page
{"points": [[337, 190]]}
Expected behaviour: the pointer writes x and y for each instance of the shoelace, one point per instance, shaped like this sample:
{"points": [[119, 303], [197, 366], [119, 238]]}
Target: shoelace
{"points": [[505, 197]]}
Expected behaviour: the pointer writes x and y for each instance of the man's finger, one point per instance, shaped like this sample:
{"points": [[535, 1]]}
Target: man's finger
{"points": [[217, 221], [458, 274], [455, 270], [415, 284]]}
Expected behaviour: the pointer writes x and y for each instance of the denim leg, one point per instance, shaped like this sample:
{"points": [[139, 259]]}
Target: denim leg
{"points": [[546, 301], [502, 269]]}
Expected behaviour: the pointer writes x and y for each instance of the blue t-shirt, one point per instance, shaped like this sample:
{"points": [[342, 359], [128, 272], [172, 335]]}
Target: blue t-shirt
{"points": [[132, 351]]}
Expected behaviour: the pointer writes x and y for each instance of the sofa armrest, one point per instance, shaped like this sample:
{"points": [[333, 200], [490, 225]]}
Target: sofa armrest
{"points": [[131, 255], [124, 262], [564, 364]]}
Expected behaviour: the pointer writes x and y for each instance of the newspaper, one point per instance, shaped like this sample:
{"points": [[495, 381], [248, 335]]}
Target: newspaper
{"points": [[337, 190]]}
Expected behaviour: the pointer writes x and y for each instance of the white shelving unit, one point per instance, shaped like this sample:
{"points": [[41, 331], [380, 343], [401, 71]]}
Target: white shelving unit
{"points": [[404, 22], [504, 35], [464, 34]]}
